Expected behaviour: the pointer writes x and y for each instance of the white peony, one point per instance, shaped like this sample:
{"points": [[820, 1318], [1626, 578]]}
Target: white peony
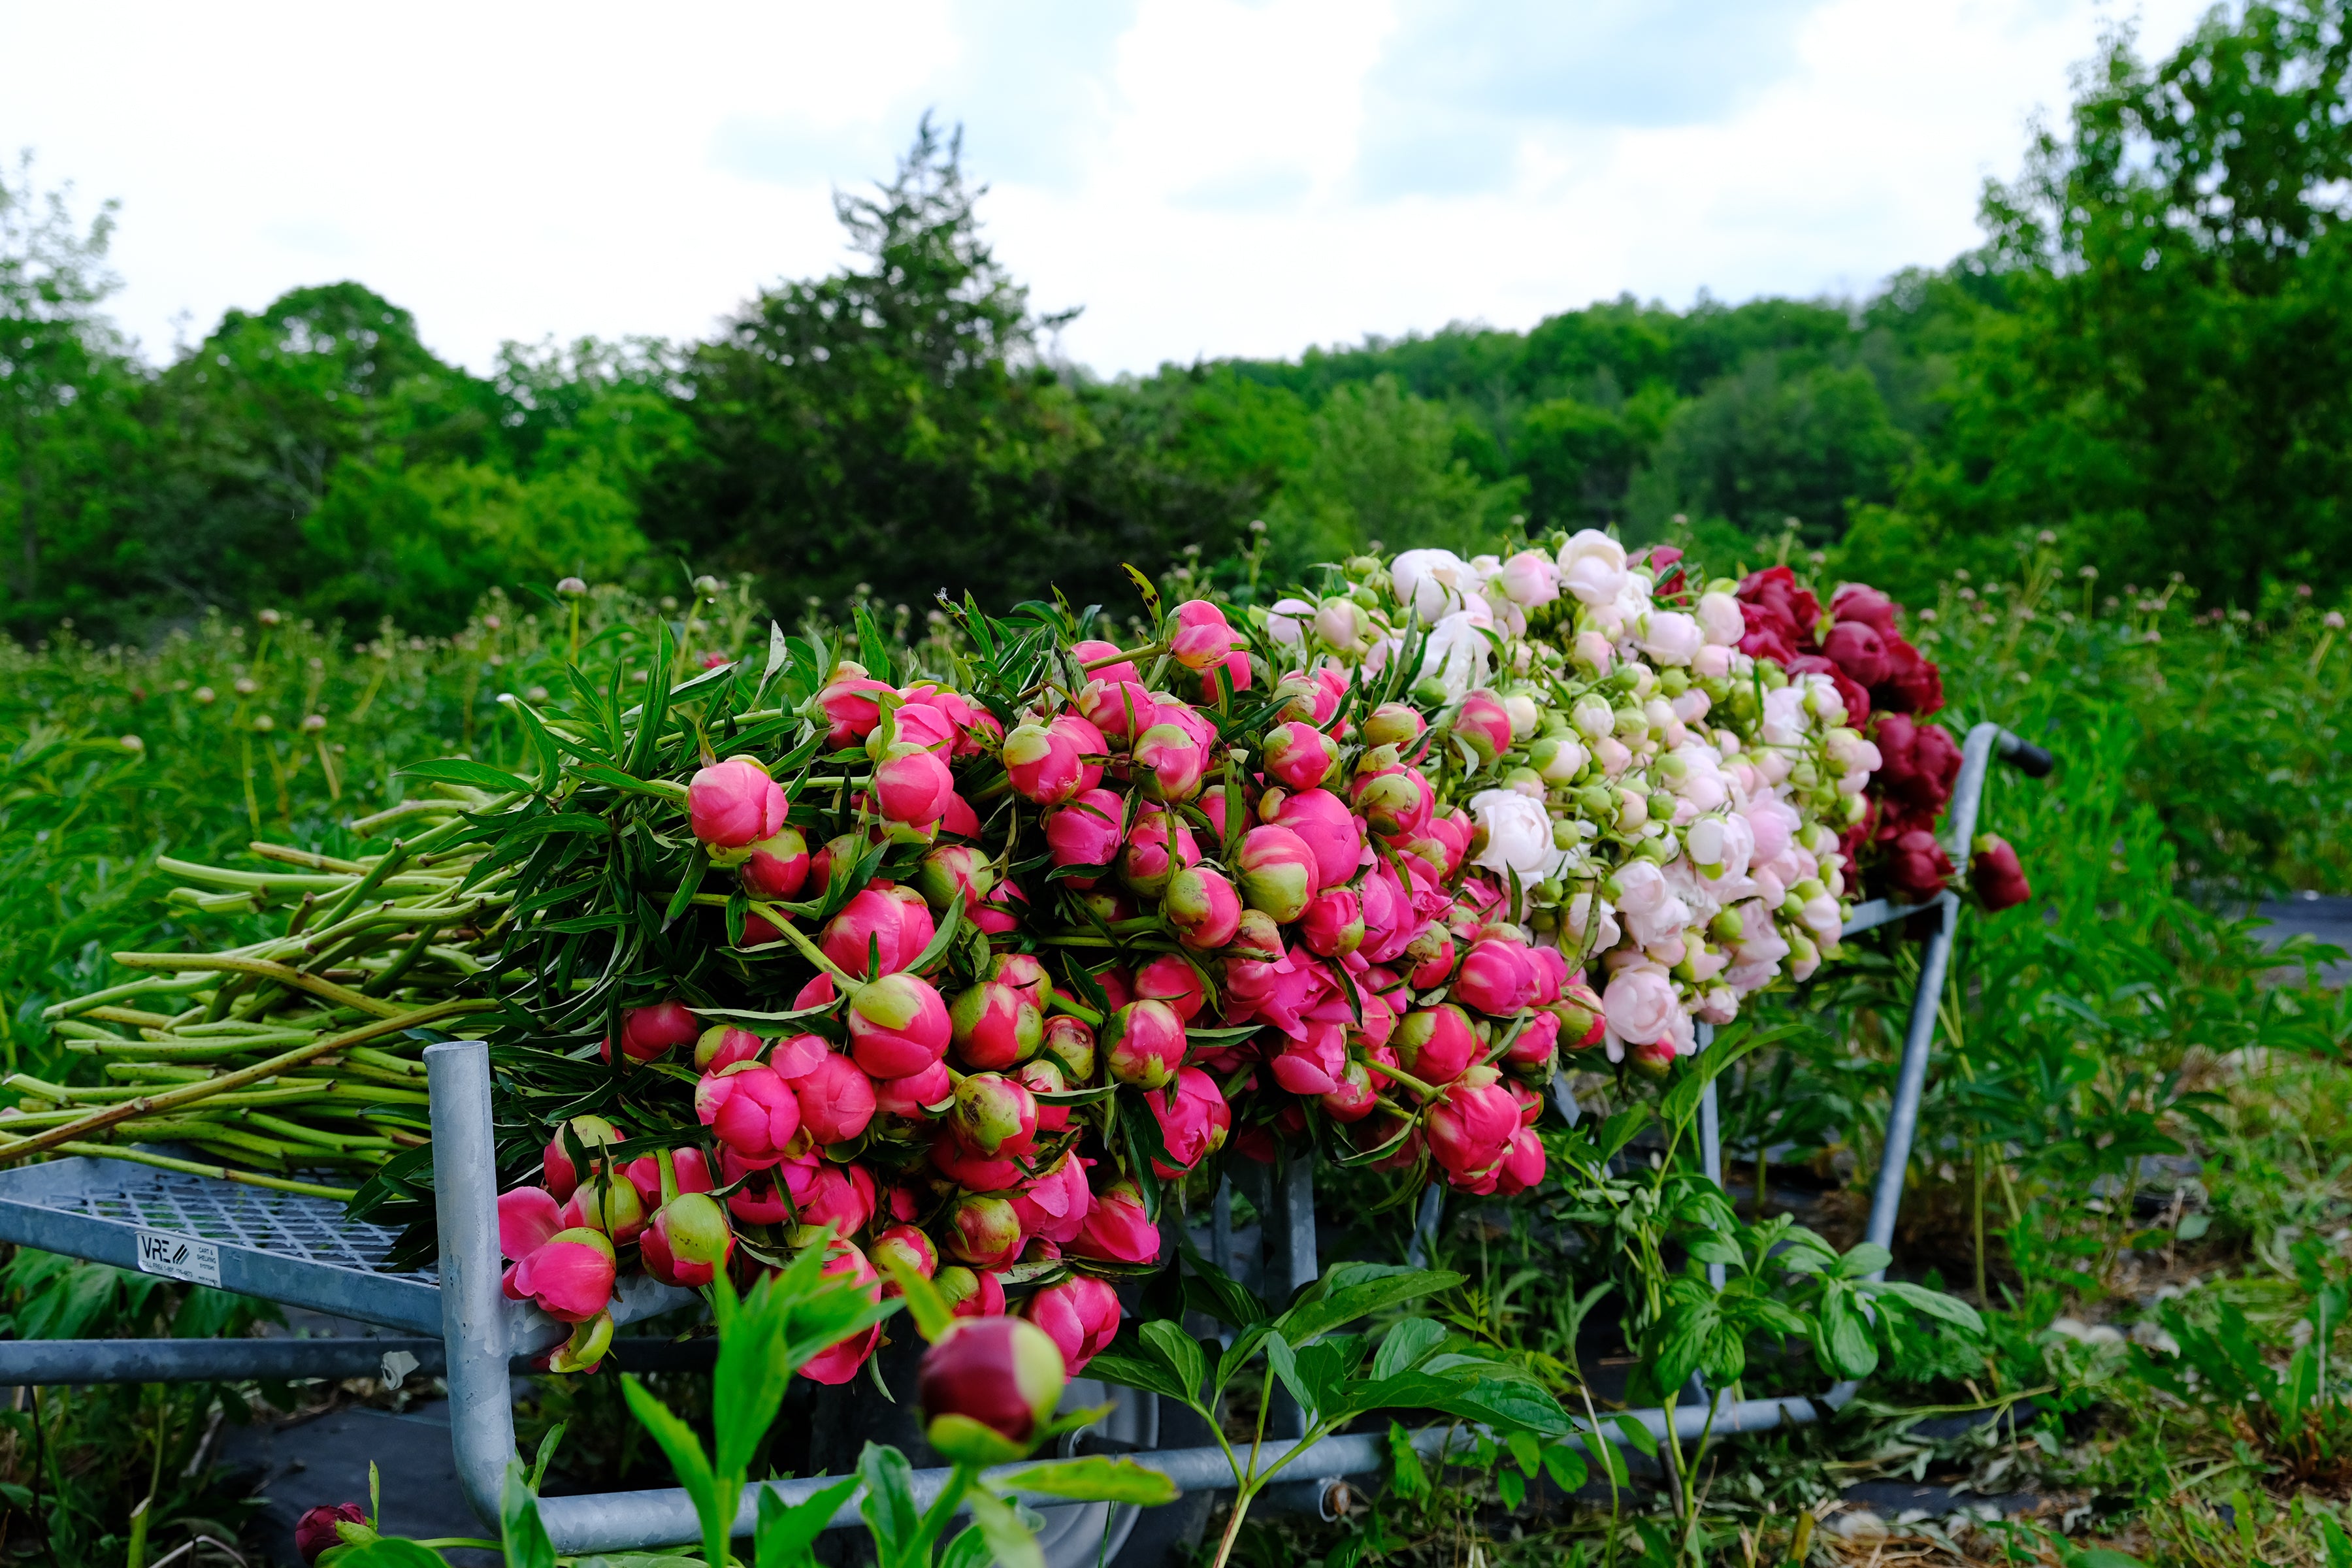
{"points": [[1456, 653], [1287, 619], [1671, 637], [1431, 581], [1647, 905], [1592, 567], [1719, 618], [1518, 836], [1528, 579]]}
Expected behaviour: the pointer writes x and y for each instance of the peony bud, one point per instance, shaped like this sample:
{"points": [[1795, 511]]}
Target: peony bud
{"points": [[1169, 978], [777, 867], [1195, 1127], [723, 1045], [1278, 872], [1301, 756], [986, 1387], [1087, 831], [556, 1162], [836, 1101], [878, 932], [1334, 923], [954, 874], [983, 1231], [898, 1027], [1995, 874], [1117, 708], [1202, 639], [318, 1529], [689, 1242], [995, 1116], [1172, 761], [1203, 908], [569, 1276], [1436, 1044], [734, 804], [750, 1109], [1143, 1043], [1497, 978], [994, 1026], [911, 1247], [650, 1032], [1397, 803], [1070, 1044], [1486, 723], [1080, 1315], [970, 1294], [839, 1362], [1158, 847], [1117, 1230]]}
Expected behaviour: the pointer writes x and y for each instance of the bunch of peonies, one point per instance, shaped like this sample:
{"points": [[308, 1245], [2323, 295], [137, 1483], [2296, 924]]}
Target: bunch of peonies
{"points": [[1351, 874]]}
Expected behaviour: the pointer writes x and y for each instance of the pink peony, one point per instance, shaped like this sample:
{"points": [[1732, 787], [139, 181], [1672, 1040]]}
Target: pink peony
{"points": [[734, 804]]}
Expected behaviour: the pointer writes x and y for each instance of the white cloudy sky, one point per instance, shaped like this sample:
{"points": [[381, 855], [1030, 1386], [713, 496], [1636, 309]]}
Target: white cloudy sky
{"points": [[1205, 177]]}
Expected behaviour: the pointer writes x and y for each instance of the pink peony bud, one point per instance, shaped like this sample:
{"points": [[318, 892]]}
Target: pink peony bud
{"points": [[995, 1116], [1195, 1126], [826, 1193], [851, 704], [1023, 973], [1522, 1166], [1486, 723], [610, 1203], [527, 1217], [1430, 953], [1918, 866], [1497, 978], [1080, 1315], [994, 1026], [723, 1045], [1158, 847], [1055, 1205], [983, 1231], [1334, 923], [650, 1032], [879, 931], [1582, 1022], [1396, 803], [987, 1387], [1301, 756], [1278, 872], [1323, 822], [569, 1276], [1171, 979], [750, 1109], [734, 804], [1203, 908], [1436, 1043], [556, 1162], [1143, 1043], [1202, 639], [689, 1242], [912, 785], [1353, 1097], [1000, 912], [1086, 832], [1070, 1043], [692, 1171], [839, 1362], [911, 1247], [917, 1096], [1092, 652], [1857, 602], [2000, 881], [1043, 1077], [777, 867], [898, 1025], [836, 1101], [970, 1294], [1858, 651], [1116, 1228], [1045, 767], [1470, 1126], [1117, 708], [954, 874], [1172, 762], [315, 1531], [1398, 725], [1535, 1049]]}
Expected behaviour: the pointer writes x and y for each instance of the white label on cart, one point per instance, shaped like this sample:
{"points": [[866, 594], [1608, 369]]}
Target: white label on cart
{"points": [[179, 1258]]}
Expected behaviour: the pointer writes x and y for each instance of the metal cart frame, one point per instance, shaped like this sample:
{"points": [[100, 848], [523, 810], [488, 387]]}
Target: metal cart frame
{"points": [[302, 1251]]}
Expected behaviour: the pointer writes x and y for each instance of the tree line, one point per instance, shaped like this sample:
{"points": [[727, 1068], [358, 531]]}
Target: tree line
{"points": [[2151, 354]]}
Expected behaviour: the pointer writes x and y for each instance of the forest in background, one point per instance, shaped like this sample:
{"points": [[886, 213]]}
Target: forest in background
{"points": [[2149, 357]]}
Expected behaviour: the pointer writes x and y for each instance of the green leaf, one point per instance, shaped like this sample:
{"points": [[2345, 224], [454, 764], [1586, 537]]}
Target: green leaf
{"points": [[1508, 1402], [1006, 1535], [786, 1534], [1868, 1258], [1147, 1373], [1410, 1481], [1513, 1488], [1707, 1247], [924, 1303], [1564, 1465], [2335, 1542], [524, 1536], [1841, 1337], [696, 866], [1353, 1291], [1096, 1478], [1408, 1342], [1285, 1361], [473, 776], [1612, 1463], [1180, 1352], [969, 1549], [1930, 1303], [1636, 1434], [1526, 1452], [889, 1502]]}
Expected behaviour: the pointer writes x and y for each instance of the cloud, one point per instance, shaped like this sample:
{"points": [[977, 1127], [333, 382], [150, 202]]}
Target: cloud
{"points": [[1461, 83]]}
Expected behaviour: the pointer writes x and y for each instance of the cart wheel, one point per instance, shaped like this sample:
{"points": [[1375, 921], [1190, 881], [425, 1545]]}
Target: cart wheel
{"points": [[1084, 1535]]}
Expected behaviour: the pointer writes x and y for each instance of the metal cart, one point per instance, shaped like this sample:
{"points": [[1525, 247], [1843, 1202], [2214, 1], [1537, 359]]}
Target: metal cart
{"points": [[456, 1321]]}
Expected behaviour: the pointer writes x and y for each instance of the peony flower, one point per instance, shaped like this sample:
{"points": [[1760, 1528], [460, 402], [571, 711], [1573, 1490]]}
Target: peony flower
{"points": [[1195, 1127], [1086, 832], [1918, 866], [1639, 1007], [877, 933], [898, 1025], [1279, 873], [556, 1161], [1592, 567], [2000, 881], [994, 1116], [1497, 977], [689, 1242], [1055, 1205], [317, 1530], [839, 1362], [647, 1033], [1518, 836], [1431, 581], [1528, 579], [1080, 1315], [912, 785], [1436, 1044], [1143, 1043], [1117, 1230], [1203, 907], [1455, 654], [1287, 620], [1671, 637], [836, 1100]]}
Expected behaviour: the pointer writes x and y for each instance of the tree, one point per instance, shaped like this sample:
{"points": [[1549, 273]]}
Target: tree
{"points": [[896, 426], [64, 375], [2170, 374]]}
